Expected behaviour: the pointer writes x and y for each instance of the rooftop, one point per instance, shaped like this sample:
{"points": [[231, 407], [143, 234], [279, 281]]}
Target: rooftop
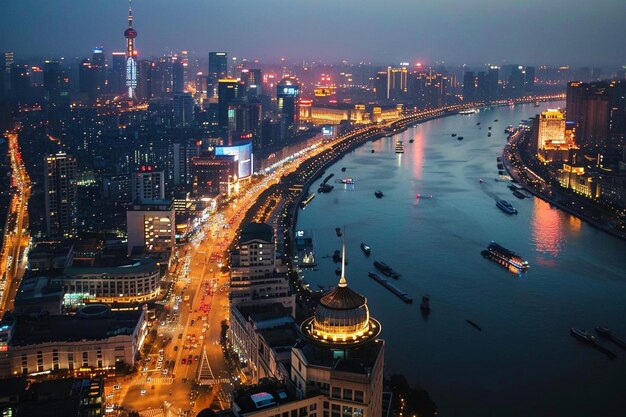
{"points": [[257, 231], [131, 267], [359, 359], [266, 312], [73, 328]]}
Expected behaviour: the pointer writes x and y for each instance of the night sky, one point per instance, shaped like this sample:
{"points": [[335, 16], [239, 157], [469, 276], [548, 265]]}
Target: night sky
{"points": [[553, 32]]}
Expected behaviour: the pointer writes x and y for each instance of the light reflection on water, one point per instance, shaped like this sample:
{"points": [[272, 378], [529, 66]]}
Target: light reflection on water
{"points": [[547, 235]]}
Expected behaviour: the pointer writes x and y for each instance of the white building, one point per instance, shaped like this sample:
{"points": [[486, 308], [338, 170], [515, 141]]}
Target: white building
{"points": [[151, 227]]}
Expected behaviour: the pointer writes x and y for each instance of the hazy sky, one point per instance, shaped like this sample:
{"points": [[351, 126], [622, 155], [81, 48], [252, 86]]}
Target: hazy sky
{"points": [[588, 32]]}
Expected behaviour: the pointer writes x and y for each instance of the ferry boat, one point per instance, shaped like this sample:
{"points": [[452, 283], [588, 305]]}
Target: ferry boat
{"points": [[395, 290], [399, 147], [307, 200], [519, 195], [386, 269], [506, 207], [378, 194], [489, 134], [469, 111], [459, 138], [345, 181], [454, 135], [366, 249], [508, 259]]}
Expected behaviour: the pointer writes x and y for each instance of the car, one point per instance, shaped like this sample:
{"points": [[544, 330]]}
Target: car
{"points": [[192, 322], [183, 361], [175, 348], [196, 358], [117, 387], [143, 392], [180, 335], [164, 372]]}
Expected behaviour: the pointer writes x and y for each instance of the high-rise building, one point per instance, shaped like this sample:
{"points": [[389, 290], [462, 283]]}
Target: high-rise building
{"points": [[397, 82], [60, 195], [183, 104], [213, 175], [380, 85], [218, 69], [151, 226], [117, 74], [551, 133], [131, 56], [178, 77], [469, 87], [227, 92], [98, 59], [21, 83], [88, 74], [256, 277], [287, 93], [6, 61], [147, 185]]}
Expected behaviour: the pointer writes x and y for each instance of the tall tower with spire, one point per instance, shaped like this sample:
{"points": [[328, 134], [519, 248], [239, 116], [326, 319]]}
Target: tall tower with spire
{"points": [[131, 54]]}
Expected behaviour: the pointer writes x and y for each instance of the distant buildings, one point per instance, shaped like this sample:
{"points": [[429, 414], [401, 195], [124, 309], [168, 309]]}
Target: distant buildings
{"points": [[147, 185], [287, 93], [60, 196]]}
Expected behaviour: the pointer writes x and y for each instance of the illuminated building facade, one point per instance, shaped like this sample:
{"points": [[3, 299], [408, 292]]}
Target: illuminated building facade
{"points": [[93, 339], [287, 93], [60, 196], [551, 133], [131, 56], [212, 175], [151, 226], [397, 84], [227, 89], [574, 178]]}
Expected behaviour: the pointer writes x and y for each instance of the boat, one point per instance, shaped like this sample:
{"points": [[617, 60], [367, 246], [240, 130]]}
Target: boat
{"points": [[337, 256], [423, 196], [345, 181], [582, 335], [489, 134], [395, 290], [373, 151], [425, 304], [495, 120], [366, 249], [509, 129], [459, 138], [454, 135], [378, 194], [508, 259], [489, 127], [386, 269], [411, 140], [399, 147], [470, 111], [478, 124], [500, 166], [343, 169], [474, 325], [506, 207], [519, 195], [537, 103], [307, 200], [338, 231], [325, 188], [608, 334]]}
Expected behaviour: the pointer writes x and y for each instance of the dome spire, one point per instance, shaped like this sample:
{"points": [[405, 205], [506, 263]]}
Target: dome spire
{"points": [[342, 280]]}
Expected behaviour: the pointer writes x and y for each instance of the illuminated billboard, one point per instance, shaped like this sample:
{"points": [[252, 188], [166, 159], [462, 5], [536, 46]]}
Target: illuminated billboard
{"points": [[243, 156]]}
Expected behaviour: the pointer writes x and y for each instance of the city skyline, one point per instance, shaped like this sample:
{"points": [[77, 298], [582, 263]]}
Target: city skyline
{"points": [[390, 32]]}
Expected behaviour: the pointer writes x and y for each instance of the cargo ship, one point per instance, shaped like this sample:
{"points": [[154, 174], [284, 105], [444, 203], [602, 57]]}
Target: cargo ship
{"points": [[508, 259], [395, 290]]}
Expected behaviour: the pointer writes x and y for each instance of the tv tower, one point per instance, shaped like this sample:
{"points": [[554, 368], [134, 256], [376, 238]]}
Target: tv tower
{"points": [[131, 55]]}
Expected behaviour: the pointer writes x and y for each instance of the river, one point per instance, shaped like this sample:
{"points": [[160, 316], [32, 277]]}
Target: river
{"points": [[524, 361]]}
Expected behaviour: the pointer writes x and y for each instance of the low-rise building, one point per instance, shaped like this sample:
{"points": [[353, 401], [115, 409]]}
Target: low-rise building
{"points": [[95, 338], [134, 281]]}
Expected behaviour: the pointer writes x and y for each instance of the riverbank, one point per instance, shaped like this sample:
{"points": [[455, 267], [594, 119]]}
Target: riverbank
{"points": [[511, 150]]}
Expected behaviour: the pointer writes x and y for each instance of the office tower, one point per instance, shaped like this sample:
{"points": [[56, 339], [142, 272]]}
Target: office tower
{"points": [[183, 104], [380, 85], [51, 80], [593, 126], [213, 175], [227, 92], [218, 68], [529, 80], [469, 87], [98, 59], [551, 133], [161, 77], [131, 56], [218, 65], [492, 87], [88, 79], [60, 195], [151, 226], [179, 166], [6, 61], [117, 74], [287, 92], [244, 120], [254, 84], [147, 185], [575, 93], [144, 80], [178, 77], [21, 83], [56, 95], [397, 85]]}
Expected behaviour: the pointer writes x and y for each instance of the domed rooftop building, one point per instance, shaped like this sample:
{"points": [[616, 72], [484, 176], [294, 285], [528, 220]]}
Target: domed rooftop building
{"points": [[342, 318]]}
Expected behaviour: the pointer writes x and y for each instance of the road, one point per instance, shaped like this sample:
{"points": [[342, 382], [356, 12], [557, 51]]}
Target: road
{"points": [[12, 259]]}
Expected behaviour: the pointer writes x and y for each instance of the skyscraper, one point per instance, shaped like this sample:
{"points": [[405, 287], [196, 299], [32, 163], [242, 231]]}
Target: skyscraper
{"points": [[131, 55], [227, 92], [99, 61], [147, 185], [469, 86], [117, 73], [178, 77], [60, 195], [287, 92], [183, 109], [6, 61], [218, 68]]}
